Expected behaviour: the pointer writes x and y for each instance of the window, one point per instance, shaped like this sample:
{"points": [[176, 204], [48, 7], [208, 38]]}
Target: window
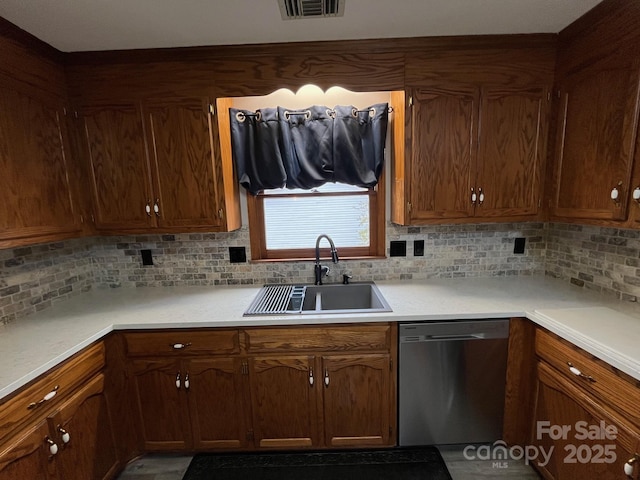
{"points": [[284, 224]]}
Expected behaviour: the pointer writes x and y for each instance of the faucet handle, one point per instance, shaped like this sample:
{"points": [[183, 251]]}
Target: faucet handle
{"points": [[346, 278]]}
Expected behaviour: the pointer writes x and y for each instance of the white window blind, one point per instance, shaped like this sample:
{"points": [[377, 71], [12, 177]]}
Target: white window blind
{"points": [[294, 218]]}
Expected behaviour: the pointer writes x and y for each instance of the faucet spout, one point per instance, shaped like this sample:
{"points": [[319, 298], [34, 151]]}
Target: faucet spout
{"points": [[319, 270]]}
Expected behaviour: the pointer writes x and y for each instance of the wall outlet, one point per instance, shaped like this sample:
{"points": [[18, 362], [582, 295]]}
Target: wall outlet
{"points": [[518, 246], [398, 248], [147, 258], [237, 254], [418, 248]]}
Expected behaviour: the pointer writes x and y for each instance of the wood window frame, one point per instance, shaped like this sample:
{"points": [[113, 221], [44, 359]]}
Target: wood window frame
{"points": [[377, 222]]}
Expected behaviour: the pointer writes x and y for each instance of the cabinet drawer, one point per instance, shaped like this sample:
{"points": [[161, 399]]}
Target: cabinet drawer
{"points": [[615, 388], [325, 338], [34, 401], [182, 342]]}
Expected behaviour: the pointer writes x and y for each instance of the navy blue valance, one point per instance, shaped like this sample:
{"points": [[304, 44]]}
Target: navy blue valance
{"points": [[279, 147]]}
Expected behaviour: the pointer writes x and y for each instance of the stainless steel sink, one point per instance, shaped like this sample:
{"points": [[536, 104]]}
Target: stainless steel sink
{"points": [[318, 299]]}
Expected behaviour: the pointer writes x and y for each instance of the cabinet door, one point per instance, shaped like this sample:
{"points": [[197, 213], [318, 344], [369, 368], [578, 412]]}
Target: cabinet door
{"points": [[28, 457], [83, 430], [181, 146], [595, 140], [443, 152], [35, 196], [160, 405], [561, 405], [216, 397], [284, 401], [511, 151], [119, 167], [357, 399]]}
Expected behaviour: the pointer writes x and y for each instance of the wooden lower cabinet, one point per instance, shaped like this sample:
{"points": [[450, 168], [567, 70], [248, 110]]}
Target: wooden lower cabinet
{"points": [[357, 400], [74, 442], [27, 457], [347, 397], [160, 406], [215, 399], [82, 430], [185, 404], [560, 404], [284, 400]]}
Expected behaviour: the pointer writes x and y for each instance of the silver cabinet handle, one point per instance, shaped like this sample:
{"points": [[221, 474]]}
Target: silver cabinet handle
{"points": [[180, 346], [474, 197], [186, 381], [636, 194], [326, 377], [480, 196], [178, 380], [156, 207], [578, 373], [46, 398], [147, 208], [311, 376]]}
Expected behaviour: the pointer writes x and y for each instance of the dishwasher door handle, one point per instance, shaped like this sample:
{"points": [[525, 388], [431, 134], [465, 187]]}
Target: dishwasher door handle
{"points": [[462, 336], [442, 338]]}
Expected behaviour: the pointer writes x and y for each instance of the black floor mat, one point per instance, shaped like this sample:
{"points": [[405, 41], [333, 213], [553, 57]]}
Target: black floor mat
{"points": [[424, 463]]}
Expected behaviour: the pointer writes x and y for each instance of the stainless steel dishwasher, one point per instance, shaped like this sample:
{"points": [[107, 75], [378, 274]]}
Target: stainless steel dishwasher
{"points": [[452, 381]]}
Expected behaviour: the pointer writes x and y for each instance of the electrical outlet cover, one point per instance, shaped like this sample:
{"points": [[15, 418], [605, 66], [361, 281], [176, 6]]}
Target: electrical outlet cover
{"points": [[398, 248]]}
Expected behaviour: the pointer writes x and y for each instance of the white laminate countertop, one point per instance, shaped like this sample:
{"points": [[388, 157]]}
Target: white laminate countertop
{"points": [[606, 328]]}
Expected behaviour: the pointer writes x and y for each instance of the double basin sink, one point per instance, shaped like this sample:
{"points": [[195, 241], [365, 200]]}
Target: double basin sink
{"points": [[318, 299]]}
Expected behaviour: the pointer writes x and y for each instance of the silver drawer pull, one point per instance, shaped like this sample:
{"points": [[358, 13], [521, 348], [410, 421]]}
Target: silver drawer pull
{"points": [[578, 373], [46, 398], [180, 346]]}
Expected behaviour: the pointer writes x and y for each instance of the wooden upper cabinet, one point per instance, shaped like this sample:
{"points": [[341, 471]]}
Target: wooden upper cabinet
{"points": [[475, 151], [595, 141], [156, 166], [511, 150], [182, 149], [119, 166], [443, 152], [36, 195]]}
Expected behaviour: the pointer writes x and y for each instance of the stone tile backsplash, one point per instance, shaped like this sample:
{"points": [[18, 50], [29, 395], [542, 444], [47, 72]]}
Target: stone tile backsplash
{"points": [[203, 259], [603, 259], [36, 277]]}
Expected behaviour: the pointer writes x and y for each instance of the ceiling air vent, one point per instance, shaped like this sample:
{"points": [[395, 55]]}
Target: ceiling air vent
{"points": [[292, 9]]}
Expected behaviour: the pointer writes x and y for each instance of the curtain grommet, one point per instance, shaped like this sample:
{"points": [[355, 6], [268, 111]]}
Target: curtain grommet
{"points": [[372, 112], [354, 112], [307, 114], [258, 115], [241, 117], [287, 115]]}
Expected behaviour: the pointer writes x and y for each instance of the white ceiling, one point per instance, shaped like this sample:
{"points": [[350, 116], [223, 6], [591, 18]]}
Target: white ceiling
{"points": [[82, 25]]}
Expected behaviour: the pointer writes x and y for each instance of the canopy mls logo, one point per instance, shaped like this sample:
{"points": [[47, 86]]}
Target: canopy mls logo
{"points": [[597, 450]]}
